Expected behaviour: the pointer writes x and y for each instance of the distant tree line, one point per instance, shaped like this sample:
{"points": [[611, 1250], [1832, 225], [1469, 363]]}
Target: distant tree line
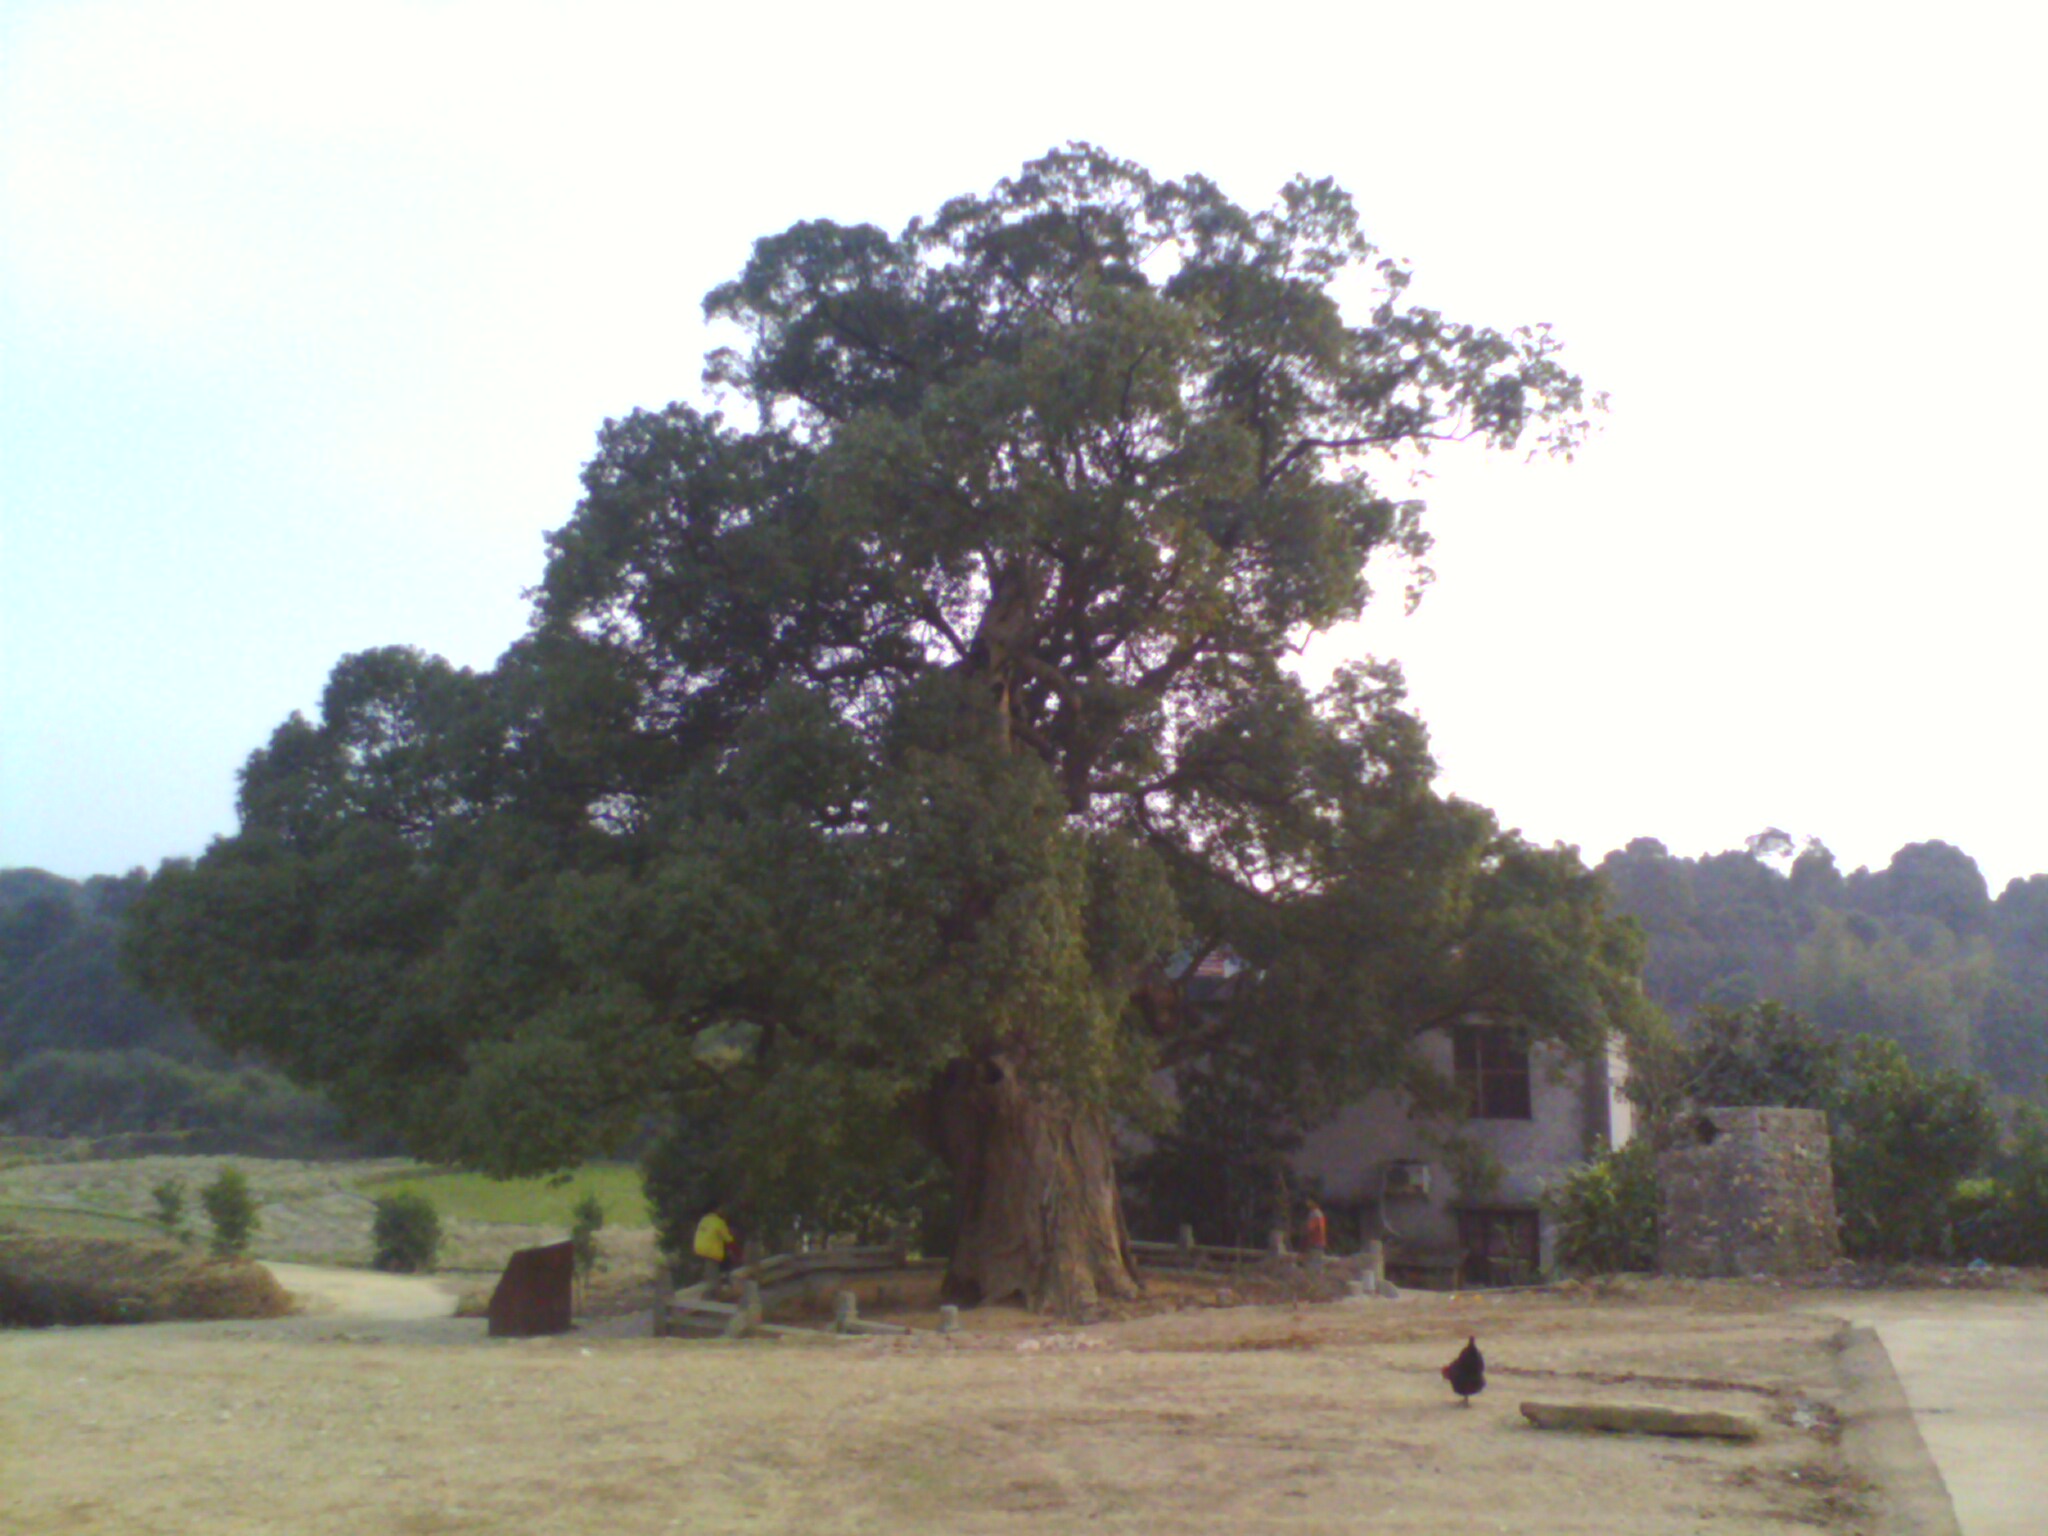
{"points": [[84, 1054], [1906, 1003], [1918, 953]]}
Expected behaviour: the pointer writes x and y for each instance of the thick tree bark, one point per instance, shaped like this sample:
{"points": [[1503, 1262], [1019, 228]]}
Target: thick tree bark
{"points": [[1035, 1190]]}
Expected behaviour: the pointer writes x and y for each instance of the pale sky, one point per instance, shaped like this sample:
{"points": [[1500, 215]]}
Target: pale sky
{"points": [[309, 315]]}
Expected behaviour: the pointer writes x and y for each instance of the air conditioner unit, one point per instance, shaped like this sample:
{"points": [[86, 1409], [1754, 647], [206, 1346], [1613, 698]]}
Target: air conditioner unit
{"points": [[1407, 1179]]}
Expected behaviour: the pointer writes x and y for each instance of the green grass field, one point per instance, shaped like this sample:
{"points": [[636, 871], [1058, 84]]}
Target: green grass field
{"points": [[67, 1221], [525, 1202]]}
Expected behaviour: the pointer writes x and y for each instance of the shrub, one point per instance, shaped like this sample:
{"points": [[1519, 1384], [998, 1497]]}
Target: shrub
{"points": [[583, 1236], [231, 1209], [406, 1233], [1903, 1141], [1606, 1212], [1980, 1215], [2023, 1176], [170, 1206], [2003, 1217]]}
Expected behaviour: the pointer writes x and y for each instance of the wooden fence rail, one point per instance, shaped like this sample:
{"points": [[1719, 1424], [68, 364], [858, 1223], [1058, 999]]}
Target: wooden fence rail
{"points": [[1159, 1253], [1371, 1262], [766, 1281]]}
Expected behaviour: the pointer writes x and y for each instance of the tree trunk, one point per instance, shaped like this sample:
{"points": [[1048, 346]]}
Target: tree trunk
{"points": [[1035, 1191]]}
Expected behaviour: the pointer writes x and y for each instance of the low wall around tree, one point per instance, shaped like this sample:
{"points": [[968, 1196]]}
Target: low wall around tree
{"points": [[1749, 1191]]}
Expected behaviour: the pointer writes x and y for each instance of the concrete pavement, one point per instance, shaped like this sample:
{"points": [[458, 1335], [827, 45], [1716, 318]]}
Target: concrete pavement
{"points": [[1974, 1369]]}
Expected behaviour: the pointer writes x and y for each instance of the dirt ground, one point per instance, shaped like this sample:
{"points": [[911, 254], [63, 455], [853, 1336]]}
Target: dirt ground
{"points": [[1205, 1419]]}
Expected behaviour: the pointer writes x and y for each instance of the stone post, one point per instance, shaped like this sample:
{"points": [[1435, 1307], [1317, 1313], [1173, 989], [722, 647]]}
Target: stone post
{"points": [[664, 1298], [746, 1316]]}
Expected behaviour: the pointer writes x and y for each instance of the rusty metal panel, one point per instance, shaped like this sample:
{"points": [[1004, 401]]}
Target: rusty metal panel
{"points": [[533, 1294]]}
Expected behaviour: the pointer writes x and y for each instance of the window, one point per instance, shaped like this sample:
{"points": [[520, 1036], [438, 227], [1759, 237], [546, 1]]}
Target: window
{"points": [[1491, 1067]]}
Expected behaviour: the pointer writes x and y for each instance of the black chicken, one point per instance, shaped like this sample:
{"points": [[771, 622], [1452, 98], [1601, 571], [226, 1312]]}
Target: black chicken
{"points": [[1467, 1373]]}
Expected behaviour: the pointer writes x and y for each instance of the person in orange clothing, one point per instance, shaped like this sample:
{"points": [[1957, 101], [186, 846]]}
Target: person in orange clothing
{"points": [[1315, 1231]]}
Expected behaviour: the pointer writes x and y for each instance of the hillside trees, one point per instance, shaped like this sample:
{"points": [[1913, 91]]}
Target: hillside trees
{"points": [[863, 763], [1916, 952], [60, 982], [83, 1053]]}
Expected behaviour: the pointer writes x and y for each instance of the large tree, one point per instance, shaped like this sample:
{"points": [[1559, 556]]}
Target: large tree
{"points": [[875, 758]]}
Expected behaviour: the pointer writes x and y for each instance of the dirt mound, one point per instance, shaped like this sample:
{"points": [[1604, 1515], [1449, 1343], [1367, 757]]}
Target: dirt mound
{"points": [[69, 1281]]}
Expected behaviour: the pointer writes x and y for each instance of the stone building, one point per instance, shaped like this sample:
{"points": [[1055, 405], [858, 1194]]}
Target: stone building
{"points": [[1748, 1191]]}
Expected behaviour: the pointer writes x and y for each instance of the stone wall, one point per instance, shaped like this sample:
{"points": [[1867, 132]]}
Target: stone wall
{"points": [[1751, 1191]]}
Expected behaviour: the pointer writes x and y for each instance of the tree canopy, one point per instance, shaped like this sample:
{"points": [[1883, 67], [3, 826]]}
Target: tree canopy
{"points": [[890, 751]]}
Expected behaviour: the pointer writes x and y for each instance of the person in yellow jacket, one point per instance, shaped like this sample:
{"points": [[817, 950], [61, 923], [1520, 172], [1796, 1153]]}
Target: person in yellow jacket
{"points": [[717, 1247]]}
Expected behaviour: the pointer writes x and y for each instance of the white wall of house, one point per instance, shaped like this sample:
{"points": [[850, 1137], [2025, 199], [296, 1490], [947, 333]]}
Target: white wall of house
{"points": [[1572, 1103]]}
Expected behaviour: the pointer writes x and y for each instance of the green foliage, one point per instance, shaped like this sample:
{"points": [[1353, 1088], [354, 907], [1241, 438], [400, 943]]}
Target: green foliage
{"points": [[1606, 1212], [231, 1211], [2003, 1217], [1476, 1172], [914, 724], [405, 1233], [685, 1175], [1903, 1140], [583, 1236], [1217, 1166], [1763, 1054], [2023, 1175], [169, 1199], [796, 1157], [1657, 1079], [1927, 993]]}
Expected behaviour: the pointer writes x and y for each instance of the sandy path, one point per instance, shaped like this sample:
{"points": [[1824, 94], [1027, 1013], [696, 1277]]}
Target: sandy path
{"points": [[366, 1295]]}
